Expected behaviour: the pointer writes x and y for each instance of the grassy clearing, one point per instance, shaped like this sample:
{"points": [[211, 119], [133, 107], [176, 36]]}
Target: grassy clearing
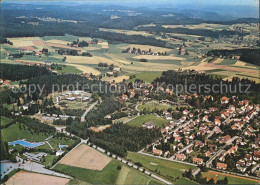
{"points": [[5, 120], [107, 176], [69, 69], [231, 178], [140, 120], [165, 167], [54, 142], [147, 76], [155, 105], [13, 133]]}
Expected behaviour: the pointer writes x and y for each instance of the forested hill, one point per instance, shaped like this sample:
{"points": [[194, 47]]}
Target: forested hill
{"points": [[199, 32], [20, 72], [198, 79]]}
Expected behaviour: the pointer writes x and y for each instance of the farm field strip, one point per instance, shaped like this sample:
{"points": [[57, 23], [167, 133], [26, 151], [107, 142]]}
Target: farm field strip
{"points": [[86, 157], [29, 178]]}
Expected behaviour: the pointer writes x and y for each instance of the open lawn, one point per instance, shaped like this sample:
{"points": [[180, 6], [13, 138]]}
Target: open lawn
{"points": [[108, 175], [146, 76], [86, 157], [140, 120], [231, 178], [29, 178], [54, 142], [165, 167], [13, 133]]}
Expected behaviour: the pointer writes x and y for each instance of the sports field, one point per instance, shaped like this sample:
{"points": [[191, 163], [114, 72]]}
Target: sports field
{"points": [[140, 120], [86, 157], [29, 178], [232, 179]]}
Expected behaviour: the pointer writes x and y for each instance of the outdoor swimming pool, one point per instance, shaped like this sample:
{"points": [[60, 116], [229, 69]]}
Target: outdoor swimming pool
{"points": [[63, 146], [26, 143]]}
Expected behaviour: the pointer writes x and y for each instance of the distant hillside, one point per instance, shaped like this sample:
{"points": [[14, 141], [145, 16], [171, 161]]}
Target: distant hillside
{"points": [[251, 56]]}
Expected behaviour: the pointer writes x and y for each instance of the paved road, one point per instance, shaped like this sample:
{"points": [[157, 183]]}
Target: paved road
{"points": [[218, 153], [184, 149], [89, 109], [30, 166], [49, 144]]}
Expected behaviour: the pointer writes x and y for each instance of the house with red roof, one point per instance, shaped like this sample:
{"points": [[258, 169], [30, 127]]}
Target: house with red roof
{"points": [[180, 157], [221, 166], [157, 152], [197, 160], [224, 100]]}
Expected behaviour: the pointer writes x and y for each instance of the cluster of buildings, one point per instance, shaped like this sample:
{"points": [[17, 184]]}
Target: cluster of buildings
{"points": [[34, 157], [80, 96], [138, 51]]}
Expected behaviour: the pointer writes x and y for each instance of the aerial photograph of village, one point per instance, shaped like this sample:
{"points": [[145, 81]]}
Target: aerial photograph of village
{"points": [[129, 92]]}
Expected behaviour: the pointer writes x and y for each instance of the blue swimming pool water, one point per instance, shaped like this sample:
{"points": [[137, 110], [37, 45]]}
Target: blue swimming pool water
{"points": [[2, 169], [26, 143], [63, 146]]}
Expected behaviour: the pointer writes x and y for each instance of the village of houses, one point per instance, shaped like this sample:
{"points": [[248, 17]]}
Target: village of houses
{"points": [[227, 143]]}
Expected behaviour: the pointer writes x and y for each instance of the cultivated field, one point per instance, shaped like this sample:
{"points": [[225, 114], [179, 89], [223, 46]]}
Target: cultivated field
{"points": [[86, 157], [152, 57], [28, 178], [108, 175], [147, 47], [127, 32], [64, 46], [200, 26], [59, 41], [130, 176], [104, 45], [116, 79], [85, 69]]}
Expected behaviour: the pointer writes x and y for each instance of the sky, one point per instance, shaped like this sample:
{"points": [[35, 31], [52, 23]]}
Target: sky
{"points": [[204, 2], [234, 8]]}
